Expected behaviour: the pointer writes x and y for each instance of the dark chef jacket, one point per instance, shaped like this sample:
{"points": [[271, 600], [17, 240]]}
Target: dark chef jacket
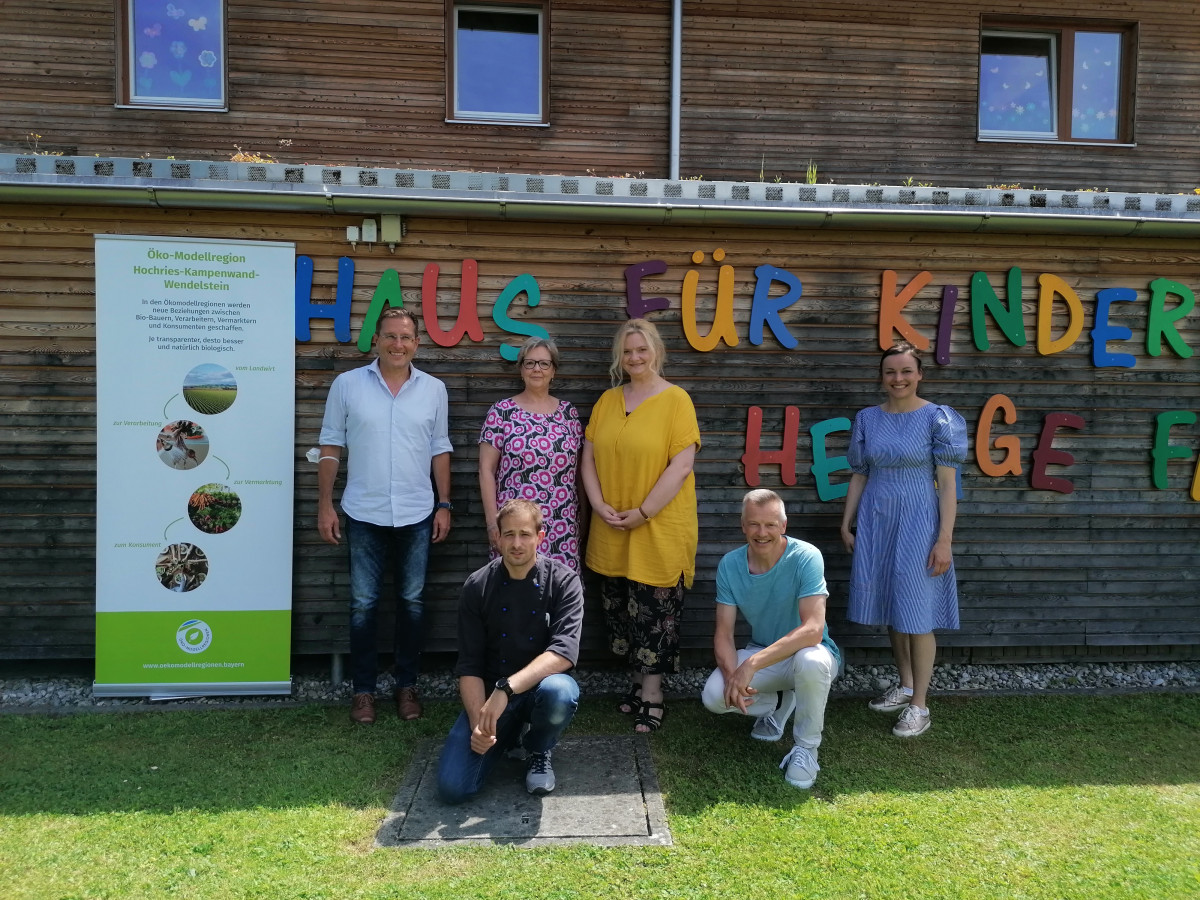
{"points": [[503, 624]]}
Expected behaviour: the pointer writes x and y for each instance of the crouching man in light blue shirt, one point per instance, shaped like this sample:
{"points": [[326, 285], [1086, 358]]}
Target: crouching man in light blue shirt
{"points": [[778, 583]]}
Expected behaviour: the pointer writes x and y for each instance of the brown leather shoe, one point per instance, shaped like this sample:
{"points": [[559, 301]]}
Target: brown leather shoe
{"points": [[362, 710], [408, 704]]}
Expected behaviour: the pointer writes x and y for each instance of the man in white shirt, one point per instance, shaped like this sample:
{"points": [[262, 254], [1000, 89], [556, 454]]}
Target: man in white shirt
{"points": [[392, 418]]}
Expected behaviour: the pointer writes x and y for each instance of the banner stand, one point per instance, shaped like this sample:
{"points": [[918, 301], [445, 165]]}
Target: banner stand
{"points": [[195, 457]]}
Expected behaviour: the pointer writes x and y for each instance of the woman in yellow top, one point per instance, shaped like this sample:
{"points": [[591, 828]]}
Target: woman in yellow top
{"points": [[637, 470]]}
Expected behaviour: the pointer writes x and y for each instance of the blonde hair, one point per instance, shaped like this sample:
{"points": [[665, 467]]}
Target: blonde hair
{"points": [[648, 330]]}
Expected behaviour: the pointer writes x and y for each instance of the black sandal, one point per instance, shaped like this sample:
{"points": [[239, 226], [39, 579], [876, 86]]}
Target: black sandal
{"points": [[631, 702], [649, 721]]}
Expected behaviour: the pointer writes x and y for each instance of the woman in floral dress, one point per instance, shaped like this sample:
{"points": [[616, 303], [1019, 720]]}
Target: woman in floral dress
{"points": [[529, 449]]}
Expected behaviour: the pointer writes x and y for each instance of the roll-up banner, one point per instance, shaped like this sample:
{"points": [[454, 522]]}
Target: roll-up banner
{"points": [[195, 408]]}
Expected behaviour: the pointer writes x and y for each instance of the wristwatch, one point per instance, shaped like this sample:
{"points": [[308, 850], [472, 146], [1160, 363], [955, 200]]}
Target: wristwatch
{"points": [[503, 685], [444, 504]]}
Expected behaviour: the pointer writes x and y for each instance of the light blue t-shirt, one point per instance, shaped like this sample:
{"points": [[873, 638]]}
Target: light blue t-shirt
{"points": [[770, 601]]}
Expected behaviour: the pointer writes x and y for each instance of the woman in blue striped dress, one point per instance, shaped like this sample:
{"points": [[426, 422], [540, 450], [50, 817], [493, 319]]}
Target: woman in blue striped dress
{"points": [[898, 525]]}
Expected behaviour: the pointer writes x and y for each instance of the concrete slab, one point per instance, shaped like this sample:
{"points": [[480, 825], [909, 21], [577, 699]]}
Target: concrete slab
{"points": [[607, 794]]}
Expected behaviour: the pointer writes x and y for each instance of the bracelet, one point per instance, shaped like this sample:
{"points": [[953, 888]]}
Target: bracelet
{"points": [[334, 458], [643, 512]]}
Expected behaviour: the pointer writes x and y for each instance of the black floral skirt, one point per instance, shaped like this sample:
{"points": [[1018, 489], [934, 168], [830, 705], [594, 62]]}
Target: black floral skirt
{"points": [[643, 623]]}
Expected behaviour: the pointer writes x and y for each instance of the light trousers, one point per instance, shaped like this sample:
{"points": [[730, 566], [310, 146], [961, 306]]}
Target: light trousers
{"points": [[809, 673]]}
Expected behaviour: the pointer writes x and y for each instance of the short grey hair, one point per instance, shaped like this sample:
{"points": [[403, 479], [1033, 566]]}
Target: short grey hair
{"points": [[761, 497], [532, 344]]}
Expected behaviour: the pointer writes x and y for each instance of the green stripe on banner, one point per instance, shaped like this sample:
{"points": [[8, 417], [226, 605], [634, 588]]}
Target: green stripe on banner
{"points": [[188, 647]]}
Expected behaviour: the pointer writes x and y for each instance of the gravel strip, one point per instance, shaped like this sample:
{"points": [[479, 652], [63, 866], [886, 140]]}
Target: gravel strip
{"points": [[51, 694]]}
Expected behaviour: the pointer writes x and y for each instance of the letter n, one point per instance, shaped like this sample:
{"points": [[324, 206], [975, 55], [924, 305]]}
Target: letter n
{"points": [[1009, 318]]}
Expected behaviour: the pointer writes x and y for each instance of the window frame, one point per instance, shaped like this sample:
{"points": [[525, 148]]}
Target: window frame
{"points": [[539, 7], [127, 97], [1062, 34]]}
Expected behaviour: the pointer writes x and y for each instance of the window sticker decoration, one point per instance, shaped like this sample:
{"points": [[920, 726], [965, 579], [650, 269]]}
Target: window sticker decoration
{"points": [[178, 53], [1016, 84], [1097, 85]]}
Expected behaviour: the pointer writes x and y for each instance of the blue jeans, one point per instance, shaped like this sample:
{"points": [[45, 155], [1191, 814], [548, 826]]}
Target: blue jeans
{"points": [[370, 546], [548, 709]]}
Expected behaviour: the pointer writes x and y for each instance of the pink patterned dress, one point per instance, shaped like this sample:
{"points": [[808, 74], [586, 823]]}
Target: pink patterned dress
{"points": [[539, 456]]}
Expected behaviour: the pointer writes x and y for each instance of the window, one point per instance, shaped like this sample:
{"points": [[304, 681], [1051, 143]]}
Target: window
{"points": [[173, 53], [496, 66], [1056, 83]]}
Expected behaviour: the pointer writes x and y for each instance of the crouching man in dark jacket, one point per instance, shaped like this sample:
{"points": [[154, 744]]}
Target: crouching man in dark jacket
{"points": [[519, 620]]}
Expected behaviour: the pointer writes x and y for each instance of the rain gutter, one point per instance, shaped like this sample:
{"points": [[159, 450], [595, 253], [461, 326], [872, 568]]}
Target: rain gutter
{"points": [[352, 191]]}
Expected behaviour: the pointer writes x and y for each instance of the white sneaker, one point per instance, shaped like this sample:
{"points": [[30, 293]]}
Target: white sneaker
{"points": [[540, 777], [912, 722], [801, 767], [770, 727], [893, 701]]}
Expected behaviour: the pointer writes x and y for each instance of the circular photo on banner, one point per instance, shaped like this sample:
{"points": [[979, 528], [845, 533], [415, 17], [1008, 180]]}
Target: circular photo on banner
{"points": [[214, 508], [181, 567], [182, 444], [210, 389]]}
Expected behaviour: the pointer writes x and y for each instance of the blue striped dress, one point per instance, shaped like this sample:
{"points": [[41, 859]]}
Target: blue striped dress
{"points": [[898, 517]]}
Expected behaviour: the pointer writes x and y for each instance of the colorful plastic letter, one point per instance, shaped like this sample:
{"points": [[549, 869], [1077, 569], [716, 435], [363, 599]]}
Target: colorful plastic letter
{"points": [[1162, 323], [767, 309], [1103, 331], [527, 284], [339, 310], [785, 457], [1049, 287], [1164, 451], [1009, 443], [984, 300], [387, 291], [1046, 455], [890, 306], [823, 466], [722, 327], [635, 304], [468, 315], [945, 324]]}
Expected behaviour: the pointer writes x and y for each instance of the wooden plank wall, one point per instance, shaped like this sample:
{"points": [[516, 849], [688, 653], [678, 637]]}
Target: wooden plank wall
{"points": [[1110, 570], [347, 82], [869, 94], [878, 93]]}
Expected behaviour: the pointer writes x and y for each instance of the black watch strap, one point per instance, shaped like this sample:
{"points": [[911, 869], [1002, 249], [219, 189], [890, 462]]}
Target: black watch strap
{"points": [[503, 685]]}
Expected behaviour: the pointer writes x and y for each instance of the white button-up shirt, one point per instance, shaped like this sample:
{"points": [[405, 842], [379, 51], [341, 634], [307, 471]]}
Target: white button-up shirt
{"points": [[391, 442]]}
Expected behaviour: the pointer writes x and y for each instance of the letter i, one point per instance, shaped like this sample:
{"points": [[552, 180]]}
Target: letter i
{"points": [[945, 324]]}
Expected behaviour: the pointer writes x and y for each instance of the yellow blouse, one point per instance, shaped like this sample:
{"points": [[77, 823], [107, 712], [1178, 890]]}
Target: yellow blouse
{"points": [[631, 452]]}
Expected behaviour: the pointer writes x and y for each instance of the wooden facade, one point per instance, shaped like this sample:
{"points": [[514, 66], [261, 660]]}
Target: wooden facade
{"points": [[1108, 570], [868, 94]]}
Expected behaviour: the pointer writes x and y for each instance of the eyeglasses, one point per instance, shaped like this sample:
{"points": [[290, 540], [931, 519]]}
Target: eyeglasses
{"points": [[530, 364], [405, 339]]}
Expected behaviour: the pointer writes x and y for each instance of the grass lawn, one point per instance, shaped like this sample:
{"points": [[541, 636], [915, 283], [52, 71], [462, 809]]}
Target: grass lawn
{"points": [[1055, 797]]}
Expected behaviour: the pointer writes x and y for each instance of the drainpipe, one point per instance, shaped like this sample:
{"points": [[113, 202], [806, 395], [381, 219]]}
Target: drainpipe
{"points": [[676, 82]]}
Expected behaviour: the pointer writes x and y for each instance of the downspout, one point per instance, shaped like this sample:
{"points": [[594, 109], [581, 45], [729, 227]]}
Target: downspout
{"points": [[676, 82]]}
